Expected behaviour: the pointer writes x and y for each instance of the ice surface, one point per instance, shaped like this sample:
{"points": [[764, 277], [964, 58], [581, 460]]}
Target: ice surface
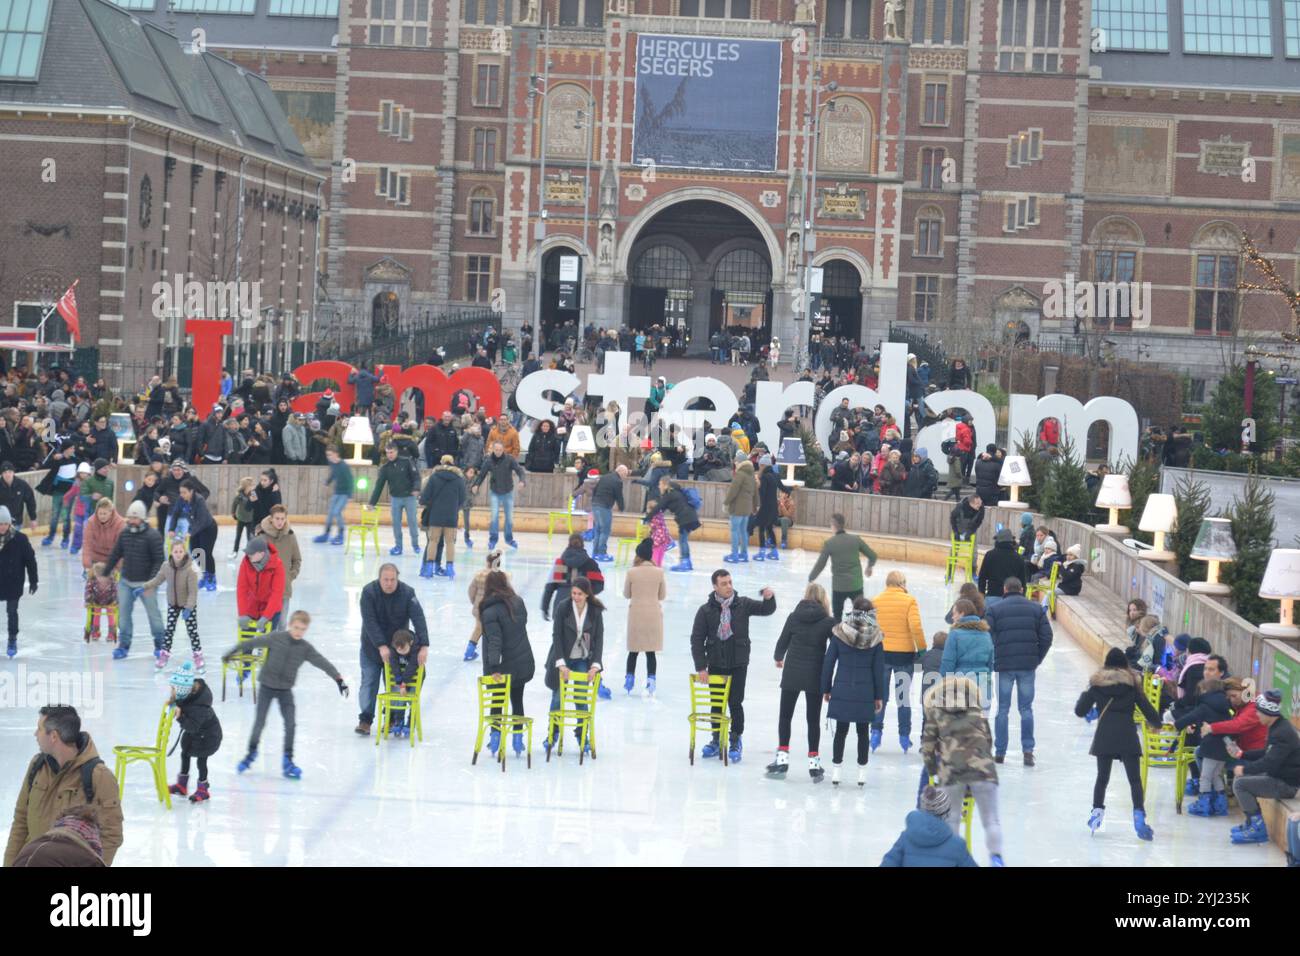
{"points": [[639, 803]]}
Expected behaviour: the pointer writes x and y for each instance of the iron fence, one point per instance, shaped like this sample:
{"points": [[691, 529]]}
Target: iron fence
{"points": [[450, 331]]}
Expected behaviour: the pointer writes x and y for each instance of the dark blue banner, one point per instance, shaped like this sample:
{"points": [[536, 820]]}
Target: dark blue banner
{"points": [[706, 102]]}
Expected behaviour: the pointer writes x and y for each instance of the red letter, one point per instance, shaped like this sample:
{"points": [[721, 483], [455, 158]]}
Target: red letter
{"points": [[327, 369], [438, 389], [209, 336]]}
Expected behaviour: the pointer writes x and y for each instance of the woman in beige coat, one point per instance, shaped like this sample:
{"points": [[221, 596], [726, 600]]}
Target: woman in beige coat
{"points": [[644, 586], [476, 587]]}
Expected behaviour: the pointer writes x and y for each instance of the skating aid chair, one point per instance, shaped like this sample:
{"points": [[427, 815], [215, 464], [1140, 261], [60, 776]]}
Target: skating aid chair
{"points": [[245, 663], [93, 612], [392, 702], [627, 546], [961, 556], [1035, 592], [555, 517], [155, 756], [577, 709], [1167, 747], [967, 815], [496, 696], [709, 707], [366, 528]]}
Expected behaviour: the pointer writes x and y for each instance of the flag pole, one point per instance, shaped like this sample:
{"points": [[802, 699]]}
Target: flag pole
{"points": [[50, 311]]}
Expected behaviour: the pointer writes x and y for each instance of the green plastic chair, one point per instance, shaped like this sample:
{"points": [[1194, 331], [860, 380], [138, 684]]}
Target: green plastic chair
{"points": [[493, 695], [577, 692], [155, 756], [961, 556], [391, 701], [709, 709]]}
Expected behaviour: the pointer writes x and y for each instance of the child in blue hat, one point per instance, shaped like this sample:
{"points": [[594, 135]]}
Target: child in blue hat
{"points": [[200, 730]]}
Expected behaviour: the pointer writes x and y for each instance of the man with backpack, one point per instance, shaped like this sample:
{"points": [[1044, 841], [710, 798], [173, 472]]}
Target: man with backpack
{"points": [[67, 772]]}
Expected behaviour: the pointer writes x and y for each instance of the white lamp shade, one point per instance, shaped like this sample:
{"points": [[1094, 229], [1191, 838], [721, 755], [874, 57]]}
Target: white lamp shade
{"points": [[581, 441], [1282, 576], [1114, 492], [1214, 541], [1160, 514], [358, 431], [1015, 472]]}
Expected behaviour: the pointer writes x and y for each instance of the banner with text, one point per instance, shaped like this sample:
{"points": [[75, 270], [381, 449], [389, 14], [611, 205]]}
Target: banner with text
{"points": [[706, 102]]}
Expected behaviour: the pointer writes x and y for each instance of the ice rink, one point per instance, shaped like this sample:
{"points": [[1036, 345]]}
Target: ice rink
{"points": [[639, 803]]}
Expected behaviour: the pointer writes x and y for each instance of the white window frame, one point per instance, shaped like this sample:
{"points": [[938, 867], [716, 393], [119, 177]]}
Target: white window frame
{"points": [[1029, 49], [1020, 213]]}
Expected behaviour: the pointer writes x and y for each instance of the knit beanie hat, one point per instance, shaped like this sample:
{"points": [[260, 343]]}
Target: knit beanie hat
{"points": [[5, 516], [183, 680], [935, 802], [1269, 703], [255, 549], [137, 509]]}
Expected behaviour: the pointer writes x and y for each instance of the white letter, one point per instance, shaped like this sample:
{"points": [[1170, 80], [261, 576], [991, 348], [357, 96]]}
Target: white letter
{"points": [[617, 384], [985, 420], [142, 914], [1075, 418], [531, 388], [59, 915], [684, 392], [771, 399]]}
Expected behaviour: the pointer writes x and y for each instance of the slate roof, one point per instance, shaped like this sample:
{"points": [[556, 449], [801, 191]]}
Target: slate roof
{"points": [[78, 70], [258, 30]]}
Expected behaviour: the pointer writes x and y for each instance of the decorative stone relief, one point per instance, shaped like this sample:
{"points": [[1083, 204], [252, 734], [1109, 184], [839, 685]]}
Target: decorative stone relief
{"points": [[566, 132], [635, 192], [769, 199], [1222, 157], [844, 135]]}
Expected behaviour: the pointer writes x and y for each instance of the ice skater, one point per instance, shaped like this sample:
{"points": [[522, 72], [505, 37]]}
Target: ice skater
{"points": [[853, 682], [101, 601], [200, 730], [17, 559], [287, 651], [182, 581]]}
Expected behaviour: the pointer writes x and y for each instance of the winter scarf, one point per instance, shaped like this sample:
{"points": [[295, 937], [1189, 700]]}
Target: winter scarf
{"points": [[859, 629], [1192, 661], [84, 829], [724, 620]]}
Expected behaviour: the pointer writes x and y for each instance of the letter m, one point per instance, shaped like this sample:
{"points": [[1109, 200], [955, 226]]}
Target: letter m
{"points": [[1116, 297], [223, 299], [115, 909], [1027, 411]]}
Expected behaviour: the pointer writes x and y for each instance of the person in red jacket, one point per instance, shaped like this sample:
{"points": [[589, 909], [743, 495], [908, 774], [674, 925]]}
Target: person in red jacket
{"points": [[1049, 432], [260, 593], [965, 446], [1244, 725]]}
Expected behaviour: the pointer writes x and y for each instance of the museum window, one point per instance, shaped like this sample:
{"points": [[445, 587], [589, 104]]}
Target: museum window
{"points": [[303, 8], [716, 9], [403, 22], [485, 149], [936, 102], [1216, 294], [848, 18], [925, 299], [487, 12], [395, 120], [1131, 25], [215, 6], [1291, 13], [1024, 148], [1237, 28], [393, 185], [1119, 266], [587, 13], [478, 278], [1195, 391], [928, 242], [1030, 36], [1021, 213], [932, 160], [482, 213], [939, 21], [487, 84]]}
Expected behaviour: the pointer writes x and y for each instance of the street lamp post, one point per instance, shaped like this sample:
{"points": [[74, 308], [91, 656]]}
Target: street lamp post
{"points": [[539, 230], [809, 211]]}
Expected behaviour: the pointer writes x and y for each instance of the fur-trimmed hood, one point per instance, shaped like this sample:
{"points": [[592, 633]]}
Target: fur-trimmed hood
{"points": [[954, 693], [971, 623], [1115, 677]]}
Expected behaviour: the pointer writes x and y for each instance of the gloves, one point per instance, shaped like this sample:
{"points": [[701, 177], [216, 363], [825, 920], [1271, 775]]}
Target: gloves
{"points": [[1091, 715], [244, 621], [32, 589], [261, 624], [343, 687], [187, 613]]}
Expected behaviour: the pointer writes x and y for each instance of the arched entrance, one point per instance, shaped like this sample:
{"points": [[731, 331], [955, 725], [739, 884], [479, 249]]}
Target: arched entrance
{"points": [[554, 318], [698, 265], [385, 315], [840, 312]]}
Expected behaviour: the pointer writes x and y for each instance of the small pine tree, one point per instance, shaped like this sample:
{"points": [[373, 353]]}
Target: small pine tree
{"points": [[814, 469], [1065, 493], [1143, 481], [1252, 529], [1193, 501], [1221, 418]]}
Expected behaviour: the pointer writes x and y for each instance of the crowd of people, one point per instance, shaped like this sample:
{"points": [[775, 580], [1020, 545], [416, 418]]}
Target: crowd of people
{"points": [[842, 650]]}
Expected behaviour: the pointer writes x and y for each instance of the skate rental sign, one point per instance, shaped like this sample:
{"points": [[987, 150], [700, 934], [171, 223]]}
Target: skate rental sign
{"points": [[536, 396]]}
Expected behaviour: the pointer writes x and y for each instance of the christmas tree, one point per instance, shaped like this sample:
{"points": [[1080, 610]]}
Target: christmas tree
{"points": [[1193, 501], [1065, 486], [1252, 529]]}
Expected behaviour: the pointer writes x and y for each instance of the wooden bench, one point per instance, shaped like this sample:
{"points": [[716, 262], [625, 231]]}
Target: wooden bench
{"points": [[1094, 618]]}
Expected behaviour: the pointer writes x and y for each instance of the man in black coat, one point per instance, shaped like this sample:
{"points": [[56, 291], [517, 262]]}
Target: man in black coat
{"points": [[1001, 563], [1022, 636], [966, 517], [16, 495], [17, 560], [443, 496], [988, 468], [720, 646], [387, 606], [440, 440], [104, 440], [1273, 772], [139, 548]]}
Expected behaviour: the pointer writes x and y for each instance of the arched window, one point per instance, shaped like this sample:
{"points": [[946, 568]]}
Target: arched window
{"points": [[743, 270], [482, 212], [1216, 269], [928, 240], [662, 267], [1116, 263]]}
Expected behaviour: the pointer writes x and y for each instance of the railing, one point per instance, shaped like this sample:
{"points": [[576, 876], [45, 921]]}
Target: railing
{"points": [[921, 346], [449, 330]]}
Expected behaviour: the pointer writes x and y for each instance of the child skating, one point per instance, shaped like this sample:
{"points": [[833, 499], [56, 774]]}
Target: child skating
{"points": [[405, 665], [182, 581], [287, 651], [200, 730], [101, 601]]}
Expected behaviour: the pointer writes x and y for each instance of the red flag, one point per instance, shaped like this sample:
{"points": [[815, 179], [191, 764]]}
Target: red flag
{"points": [[67, 308]]}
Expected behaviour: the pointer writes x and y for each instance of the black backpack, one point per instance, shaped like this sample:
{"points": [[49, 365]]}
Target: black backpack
{"points": [[87, 776]]}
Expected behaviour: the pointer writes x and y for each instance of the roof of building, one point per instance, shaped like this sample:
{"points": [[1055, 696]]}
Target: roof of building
{"points": [[97, 56], [253, 24]]}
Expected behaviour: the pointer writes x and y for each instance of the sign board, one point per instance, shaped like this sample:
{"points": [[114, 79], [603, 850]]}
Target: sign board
{"points": [[1286, 678], [120, 423], [815, 276], [707, 102], [570, 283]]}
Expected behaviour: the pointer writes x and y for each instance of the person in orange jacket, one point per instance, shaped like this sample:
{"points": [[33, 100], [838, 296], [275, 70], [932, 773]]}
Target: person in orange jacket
{"points": [[899, 617]]}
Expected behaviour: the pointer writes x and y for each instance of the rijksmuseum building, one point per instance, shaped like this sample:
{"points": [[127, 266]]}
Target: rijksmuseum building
{"points": [[703, 163]]}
